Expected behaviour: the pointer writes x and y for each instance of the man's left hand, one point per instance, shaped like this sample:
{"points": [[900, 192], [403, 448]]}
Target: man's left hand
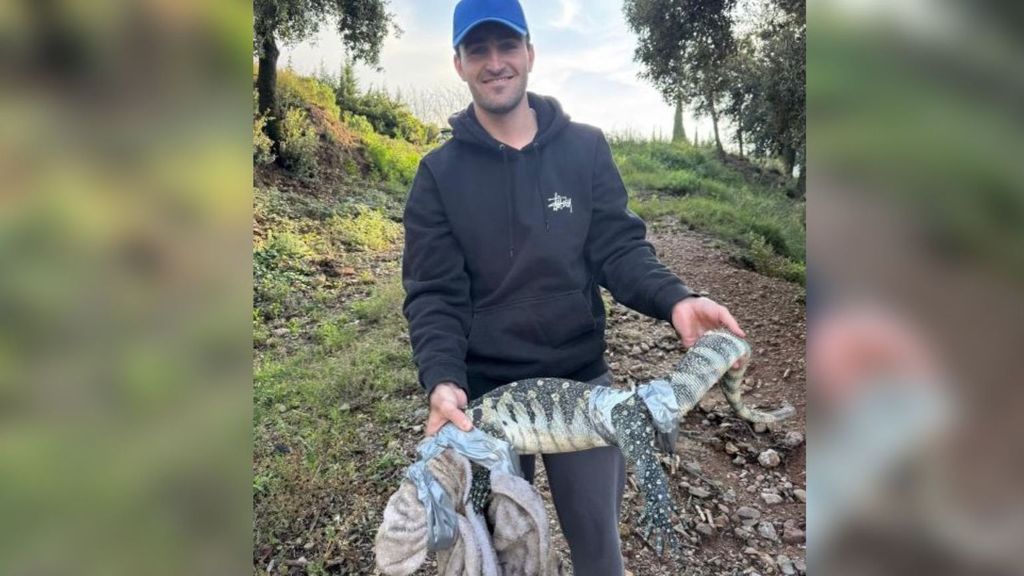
{"points": [[692, 317]]}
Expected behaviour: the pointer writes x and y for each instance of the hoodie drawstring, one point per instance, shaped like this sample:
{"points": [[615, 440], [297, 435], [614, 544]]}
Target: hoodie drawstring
{"points": [[510, 204], [537, 180]]}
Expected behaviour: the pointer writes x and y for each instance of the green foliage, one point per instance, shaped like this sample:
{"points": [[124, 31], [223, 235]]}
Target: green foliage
{"points": [[391, 160], [379, 307], [766, 261], [298, 143], [691, 184], [280, 267], [387, 115], [368, 229], [295, 91], [336, 334], [261, 143], [362, 24]]}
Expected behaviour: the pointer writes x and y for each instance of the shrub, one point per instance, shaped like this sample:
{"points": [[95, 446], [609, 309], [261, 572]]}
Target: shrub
{"points": [[294, 91], [369, 229], [261, 143], [298, 143], [765, 261]]}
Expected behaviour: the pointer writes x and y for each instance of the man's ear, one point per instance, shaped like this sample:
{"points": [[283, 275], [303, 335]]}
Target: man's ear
{"points": [[458, 64], [529, 50]]}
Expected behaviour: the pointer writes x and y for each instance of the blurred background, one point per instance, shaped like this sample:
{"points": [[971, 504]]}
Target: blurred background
{"points": [[126, 286], [915, 237], [125, 290]]}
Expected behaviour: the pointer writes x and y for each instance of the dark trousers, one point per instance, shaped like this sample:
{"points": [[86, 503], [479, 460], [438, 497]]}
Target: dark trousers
{"points": [[586, 488]]}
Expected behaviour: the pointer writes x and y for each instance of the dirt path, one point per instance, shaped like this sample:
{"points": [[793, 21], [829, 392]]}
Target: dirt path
{"points": [[739, 515]]}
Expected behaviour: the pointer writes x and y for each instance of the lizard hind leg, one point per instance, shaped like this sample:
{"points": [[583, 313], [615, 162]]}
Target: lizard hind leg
{"points": [[635, 437]]}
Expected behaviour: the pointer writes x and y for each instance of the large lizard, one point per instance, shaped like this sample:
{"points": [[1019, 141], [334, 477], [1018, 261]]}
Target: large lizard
{"points": [[551, 415]]}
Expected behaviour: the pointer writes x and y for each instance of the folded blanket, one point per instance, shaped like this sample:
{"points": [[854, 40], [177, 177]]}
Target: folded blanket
{"points": [[519, 546]]}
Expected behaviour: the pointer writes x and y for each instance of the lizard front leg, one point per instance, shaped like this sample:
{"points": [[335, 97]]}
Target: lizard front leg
{"points": [[635, 437]]}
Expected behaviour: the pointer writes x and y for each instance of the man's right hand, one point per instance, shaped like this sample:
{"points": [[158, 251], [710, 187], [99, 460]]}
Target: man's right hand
{"points": [[446, 403]]}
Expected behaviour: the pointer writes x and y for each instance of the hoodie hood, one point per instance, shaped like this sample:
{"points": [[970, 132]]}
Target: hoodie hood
{"points": [[550, 121]]}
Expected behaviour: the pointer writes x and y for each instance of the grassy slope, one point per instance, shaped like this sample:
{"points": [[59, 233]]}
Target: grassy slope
{"points": [[337, 408]]}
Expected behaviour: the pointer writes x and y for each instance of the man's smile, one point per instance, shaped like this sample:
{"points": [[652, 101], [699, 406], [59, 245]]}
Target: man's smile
{"points": [[499, 80]]}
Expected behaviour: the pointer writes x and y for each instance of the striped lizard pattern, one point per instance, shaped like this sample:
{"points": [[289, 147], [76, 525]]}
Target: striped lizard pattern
{"points": [[551, 415]]}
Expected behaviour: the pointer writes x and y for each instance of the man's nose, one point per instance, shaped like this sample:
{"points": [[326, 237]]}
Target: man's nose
{"points": [[494, 63]]}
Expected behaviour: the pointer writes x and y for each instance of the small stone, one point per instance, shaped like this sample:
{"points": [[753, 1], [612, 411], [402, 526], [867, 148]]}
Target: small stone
{"points": [[785, 564], [760, 427], [739, 461], [770, 498], [769, 458], [767, 531], [801, 566], [692, 467], [721, 521], [793, 536], [731, 448], [743, 533], [279, 332], [800, 495], [748, 512], [705, 529], [793, 439], [699, 492]]}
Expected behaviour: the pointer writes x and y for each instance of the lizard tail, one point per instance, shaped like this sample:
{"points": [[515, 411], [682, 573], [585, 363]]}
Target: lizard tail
{"points": [[731, 384], [709, 361]]}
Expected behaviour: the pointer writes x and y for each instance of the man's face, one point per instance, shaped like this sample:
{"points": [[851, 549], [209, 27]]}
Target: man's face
{"points": [[494, 61]]}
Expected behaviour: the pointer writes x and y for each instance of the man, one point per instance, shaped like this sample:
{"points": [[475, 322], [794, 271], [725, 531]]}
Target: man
{"points": [[511, 226]]}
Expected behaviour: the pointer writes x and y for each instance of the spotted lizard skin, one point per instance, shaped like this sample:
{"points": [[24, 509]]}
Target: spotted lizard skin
{"points": [[552, 415]]}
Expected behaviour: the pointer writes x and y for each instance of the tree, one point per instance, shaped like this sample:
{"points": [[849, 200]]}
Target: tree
{"points": [[681, 44], [776, 116], [362, 24]]}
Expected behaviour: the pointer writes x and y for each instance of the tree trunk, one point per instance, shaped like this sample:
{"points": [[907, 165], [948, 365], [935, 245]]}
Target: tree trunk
{"points": [[266, 84], [739, 129], [714, 124], [678, 133], [789, 160]]}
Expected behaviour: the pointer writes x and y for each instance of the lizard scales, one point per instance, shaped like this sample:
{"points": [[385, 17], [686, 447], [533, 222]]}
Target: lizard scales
{"points": [[552, 415]]}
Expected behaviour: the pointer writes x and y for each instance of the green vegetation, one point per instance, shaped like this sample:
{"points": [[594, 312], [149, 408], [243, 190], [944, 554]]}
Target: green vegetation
{"points": [[739, 204]]}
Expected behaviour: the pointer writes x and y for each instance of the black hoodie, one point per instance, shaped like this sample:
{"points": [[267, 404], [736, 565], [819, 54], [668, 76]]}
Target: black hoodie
{"points": [[505, 249]]}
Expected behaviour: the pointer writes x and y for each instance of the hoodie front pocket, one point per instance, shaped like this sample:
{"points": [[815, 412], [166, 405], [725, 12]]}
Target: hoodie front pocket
{"points": [[519, 331]]}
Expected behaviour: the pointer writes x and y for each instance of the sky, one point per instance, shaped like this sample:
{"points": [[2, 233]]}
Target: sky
{"points": [[584, 58]]}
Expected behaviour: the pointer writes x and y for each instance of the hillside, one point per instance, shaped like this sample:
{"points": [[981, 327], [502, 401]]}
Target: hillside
{"points": [[338, 411]]}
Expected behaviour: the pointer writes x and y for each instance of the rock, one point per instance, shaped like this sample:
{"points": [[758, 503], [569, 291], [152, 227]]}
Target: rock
{"points": [[767, 531], [731, 448], [721, 521], [769, 458], [785, 564], [801, 566], [748, 512], [743, 533], [760, 427], [800, 495], [279, 332], [699, 492], [705, 529], [635, 351], [739, 461], [692, 467], [793, 536], [770, 498], [793, 439]]}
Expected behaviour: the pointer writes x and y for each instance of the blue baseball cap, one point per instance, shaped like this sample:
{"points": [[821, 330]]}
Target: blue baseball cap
{"points": [[470, 13]]}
